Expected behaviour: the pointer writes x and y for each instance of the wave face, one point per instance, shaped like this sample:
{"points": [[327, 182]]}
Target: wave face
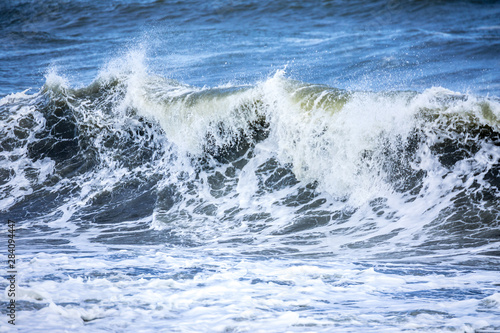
{"points": [[323, 170], [280, 168]]}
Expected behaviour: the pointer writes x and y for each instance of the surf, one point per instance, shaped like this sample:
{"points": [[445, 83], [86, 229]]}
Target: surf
{"points": [[319, 168]]}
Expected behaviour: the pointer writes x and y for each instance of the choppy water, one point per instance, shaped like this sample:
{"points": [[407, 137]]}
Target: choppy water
{"points": [[232, 166]]}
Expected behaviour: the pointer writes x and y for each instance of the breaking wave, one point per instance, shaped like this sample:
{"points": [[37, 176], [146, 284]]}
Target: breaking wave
{"points": [[279, 166]]}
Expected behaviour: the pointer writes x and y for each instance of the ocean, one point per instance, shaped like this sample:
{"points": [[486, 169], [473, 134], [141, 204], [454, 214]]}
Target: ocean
{"points": [[242, 166]]}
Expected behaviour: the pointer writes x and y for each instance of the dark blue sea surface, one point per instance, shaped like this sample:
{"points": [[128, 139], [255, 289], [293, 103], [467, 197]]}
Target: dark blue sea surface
{"points": [[248, 166], [376, 45]]}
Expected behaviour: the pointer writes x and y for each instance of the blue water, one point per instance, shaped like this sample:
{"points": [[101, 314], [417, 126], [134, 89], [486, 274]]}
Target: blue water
{"points": [[367, 45], [239, 166]]}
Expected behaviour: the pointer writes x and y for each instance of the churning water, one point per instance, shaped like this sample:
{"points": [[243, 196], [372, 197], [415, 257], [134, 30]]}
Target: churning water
{"points": [[233, 166]]}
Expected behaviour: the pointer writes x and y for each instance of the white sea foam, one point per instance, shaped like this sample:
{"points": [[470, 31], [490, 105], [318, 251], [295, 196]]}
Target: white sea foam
{"points": [[341, 216], [214, 294]]}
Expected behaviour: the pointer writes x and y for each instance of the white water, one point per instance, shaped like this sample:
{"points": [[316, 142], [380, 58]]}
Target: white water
{"points": [[307, 231], [183, 291]]}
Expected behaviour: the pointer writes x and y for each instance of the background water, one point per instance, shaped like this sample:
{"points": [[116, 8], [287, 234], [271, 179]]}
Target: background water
{"points": [[237, 166]]}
